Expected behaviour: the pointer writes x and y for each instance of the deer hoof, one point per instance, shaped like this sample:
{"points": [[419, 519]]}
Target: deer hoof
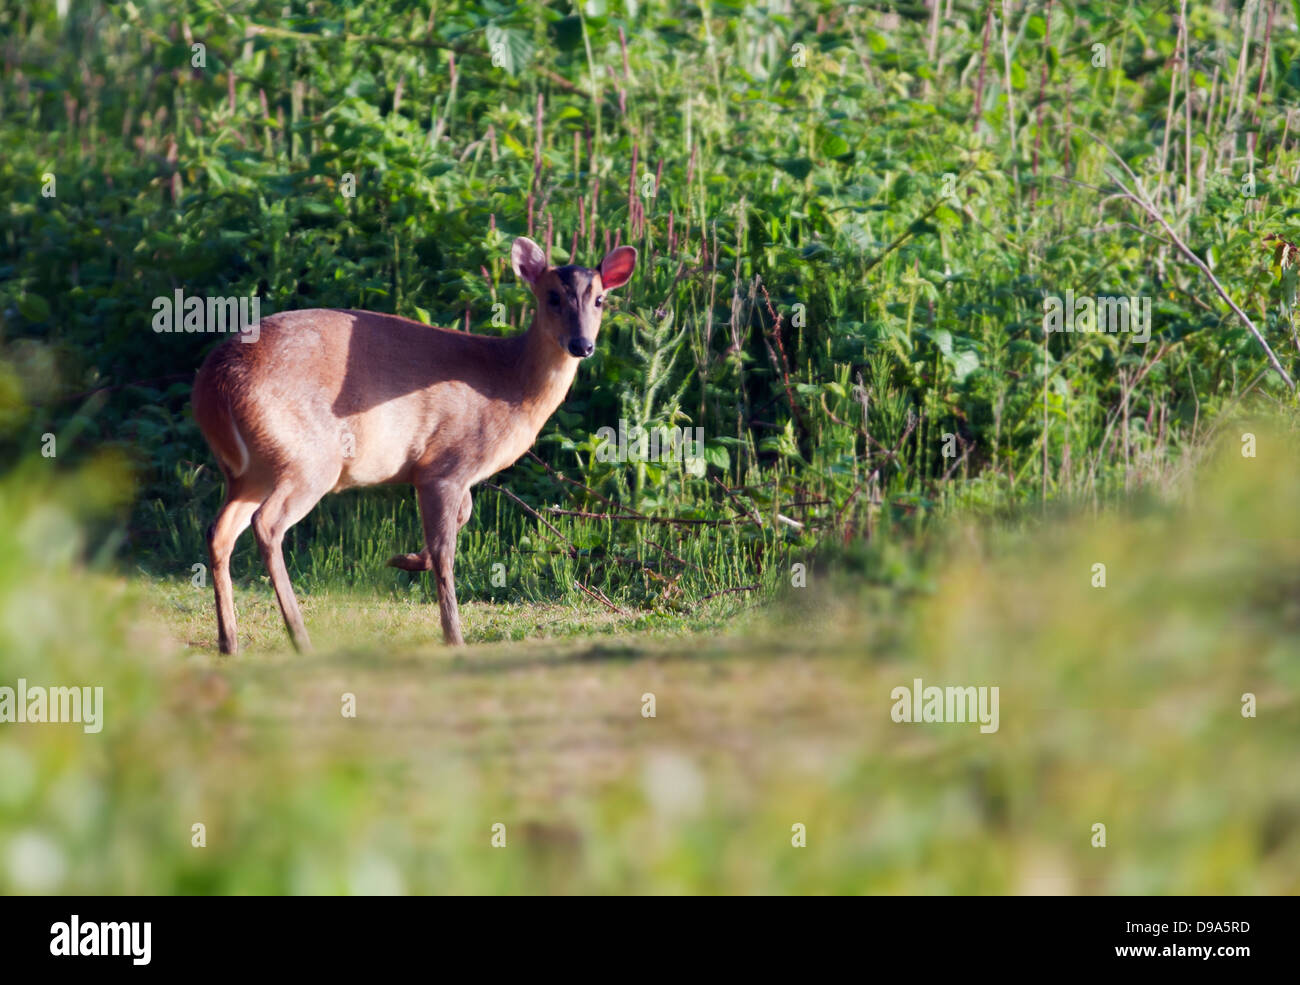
{"points": [[411, 562]]}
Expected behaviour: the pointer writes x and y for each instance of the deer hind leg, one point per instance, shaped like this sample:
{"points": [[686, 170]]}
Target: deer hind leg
{"points": [[288, 503], [423, 561], [412, 562], [444, 511], [233, 519]]}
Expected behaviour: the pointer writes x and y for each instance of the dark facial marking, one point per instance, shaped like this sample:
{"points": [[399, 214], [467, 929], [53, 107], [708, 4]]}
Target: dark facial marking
{"points": [[577, 281]]}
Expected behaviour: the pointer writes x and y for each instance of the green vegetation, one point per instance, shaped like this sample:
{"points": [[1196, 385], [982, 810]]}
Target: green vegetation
{"points": [[918, 233], [1119, 706], [849, 218]]}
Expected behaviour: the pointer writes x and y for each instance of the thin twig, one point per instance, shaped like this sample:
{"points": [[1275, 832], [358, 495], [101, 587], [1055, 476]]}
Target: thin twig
{"points": [[729, 591], [573, 551], [600, 597], [1137, 196], [669, 554], [582, 514], [574, 482], [738, 506]]}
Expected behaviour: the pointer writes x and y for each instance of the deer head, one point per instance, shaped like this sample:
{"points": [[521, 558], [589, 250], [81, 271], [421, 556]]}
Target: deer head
{"points": [[570, 299]]}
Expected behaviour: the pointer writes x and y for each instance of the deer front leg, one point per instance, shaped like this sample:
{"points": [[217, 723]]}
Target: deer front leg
{"points": [[444, 509]]}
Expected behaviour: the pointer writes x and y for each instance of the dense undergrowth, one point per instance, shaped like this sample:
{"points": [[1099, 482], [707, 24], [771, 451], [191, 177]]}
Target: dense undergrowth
{"points": [[849, 217]]}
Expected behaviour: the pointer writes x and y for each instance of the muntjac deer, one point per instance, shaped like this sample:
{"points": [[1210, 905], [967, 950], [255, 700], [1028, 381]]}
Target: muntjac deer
{"points": [[327, 400]]}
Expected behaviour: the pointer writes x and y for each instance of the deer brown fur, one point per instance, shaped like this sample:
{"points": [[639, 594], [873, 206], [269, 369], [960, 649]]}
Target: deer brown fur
{"points": [[327, 400]]}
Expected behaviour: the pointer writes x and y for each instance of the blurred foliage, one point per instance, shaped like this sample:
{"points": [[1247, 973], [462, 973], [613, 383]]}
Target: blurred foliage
{"points": [[1119, 705]]}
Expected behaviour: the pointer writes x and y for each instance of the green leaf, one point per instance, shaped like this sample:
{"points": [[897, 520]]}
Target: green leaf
{"points": [[799, 167], [33, 307], [567, 33], [509, 49], [965, 363], [941, 338], [831, 144]]}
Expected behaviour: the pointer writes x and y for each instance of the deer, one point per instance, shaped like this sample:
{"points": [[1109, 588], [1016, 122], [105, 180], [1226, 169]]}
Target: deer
{"points": [[330, 399]]}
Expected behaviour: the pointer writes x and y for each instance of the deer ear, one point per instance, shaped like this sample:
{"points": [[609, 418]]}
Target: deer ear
{"points": [[528, 259], [617, 266]]}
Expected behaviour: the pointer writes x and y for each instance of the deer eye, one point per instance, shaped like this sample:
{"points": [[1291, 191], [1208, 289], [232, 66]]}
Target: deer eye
{"points": [[600, 301], [554, 299]]}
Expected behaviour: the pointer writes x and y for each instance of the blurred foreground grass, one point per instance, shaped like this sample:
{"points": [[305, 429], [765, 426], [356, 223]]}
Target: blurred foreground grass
{"points": [[1118, 705]]}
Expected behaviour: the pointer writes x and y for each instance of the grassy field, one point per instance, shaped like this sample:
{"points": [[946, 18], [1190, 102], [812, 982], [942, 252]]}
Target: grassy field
{"points": [[1119, 705]]}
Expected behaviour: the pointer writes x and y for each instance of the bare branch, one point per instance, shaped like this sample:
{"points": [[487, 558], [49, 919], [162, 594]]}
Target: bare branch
{"points": [[1138, 197]]}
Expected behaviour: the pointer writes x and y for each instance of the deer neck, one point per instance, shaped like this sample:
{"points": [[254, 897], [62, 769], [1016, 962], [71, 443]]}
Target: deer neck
{"points": [[546, 373]]}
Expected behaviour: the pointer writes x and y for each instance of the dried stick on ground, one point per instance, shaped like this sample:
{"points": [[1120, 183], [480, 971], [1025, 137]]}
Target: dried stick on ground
{"points": [[572, 551], [730, 591], [602, 598]]}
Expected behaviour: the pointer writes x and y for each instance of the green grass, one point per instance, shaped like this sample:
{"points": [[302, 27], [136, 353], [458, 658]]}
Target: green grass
{"points": [[1119, 706], [358, 618]]}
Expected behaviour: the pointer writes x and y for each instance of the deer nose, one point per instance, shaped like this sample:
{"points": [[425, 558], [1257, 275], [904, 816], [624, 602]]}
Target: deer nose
{"points": [[582, 348]]}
